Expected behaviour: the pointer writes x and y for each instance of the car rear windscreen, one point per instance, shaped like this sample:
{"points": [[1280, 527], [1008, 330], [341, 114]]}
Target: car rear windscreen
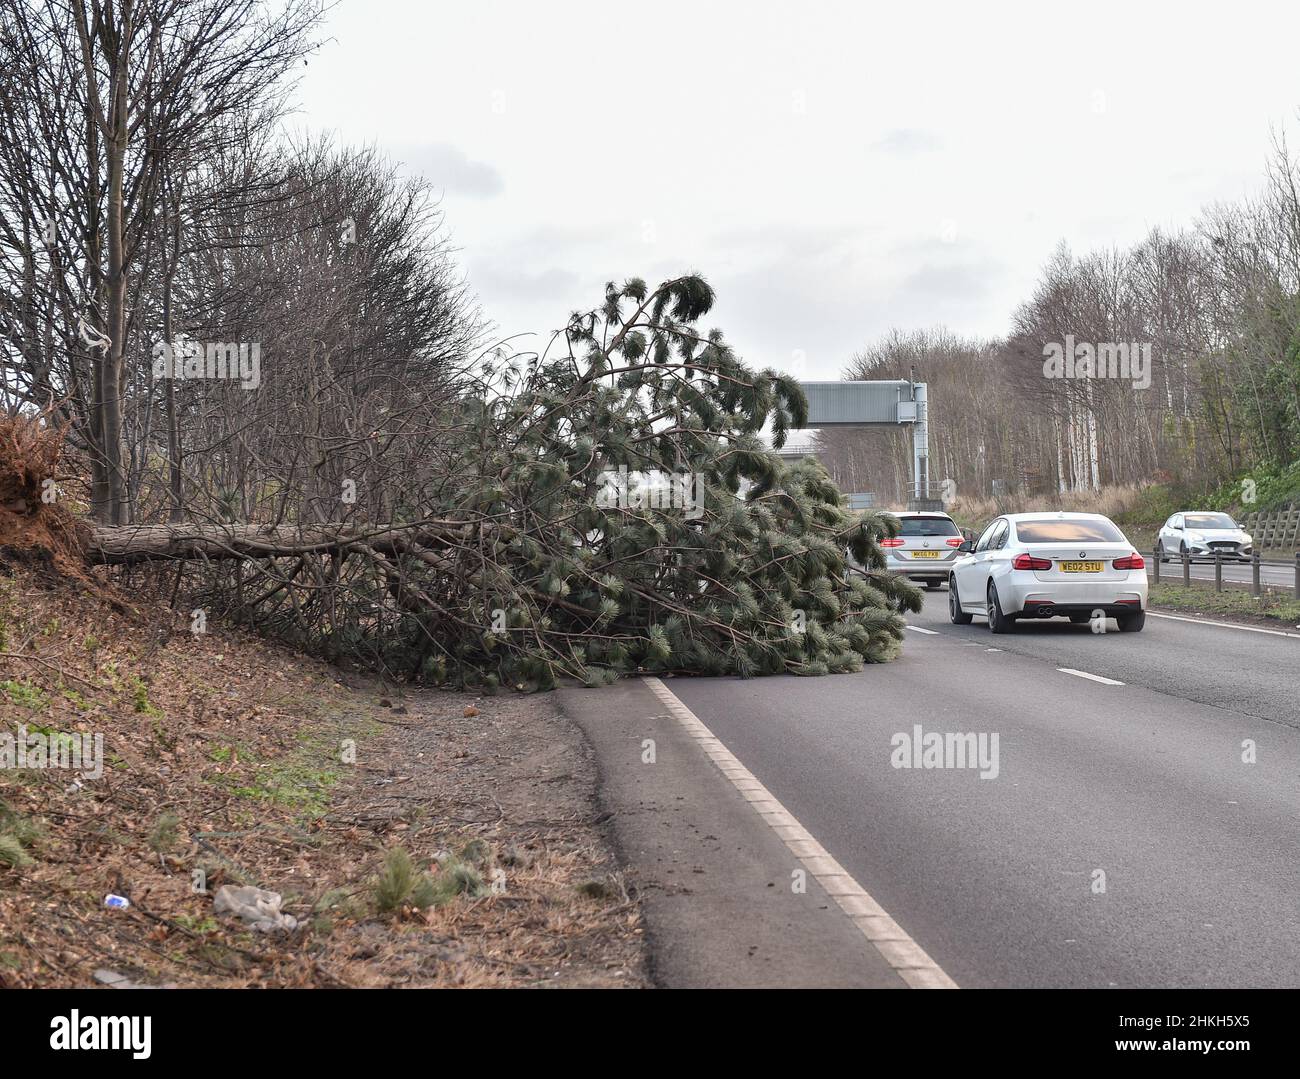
{"points": [[928, 526], [1052, 531]]}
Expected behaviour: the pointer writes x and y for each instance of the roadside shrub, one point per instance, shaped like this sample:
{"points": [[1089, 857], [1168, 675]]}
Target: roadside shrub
{"points": [[399, 884]]}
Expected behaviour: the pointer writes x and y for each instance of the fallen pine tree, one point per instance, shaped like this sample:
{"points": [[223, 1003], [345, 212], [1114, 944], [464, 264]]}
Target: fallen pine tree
{"points": [[606, 510]]}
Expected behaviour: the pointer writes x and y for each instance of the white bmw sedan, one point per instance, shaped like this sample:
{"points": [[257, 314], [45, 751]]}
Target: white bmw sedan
{"points": [[1040, 565]]}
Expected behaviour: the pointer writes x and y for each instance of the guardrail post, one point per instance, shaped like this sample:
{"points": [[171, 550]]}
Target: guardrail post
{"points": [[1297, 575], [1254, 573], [1187, 569], [1155, 561], [1218, 570]]}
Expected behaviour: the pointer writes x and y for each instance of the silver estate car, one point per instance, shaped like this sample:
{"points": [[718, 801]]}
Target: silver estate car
{"points": [[924, 549]]}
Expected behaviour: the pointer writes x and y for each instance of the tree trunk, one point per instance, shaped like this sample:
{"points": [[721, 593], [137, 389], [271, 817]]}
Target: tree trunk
{"points": [[115, 287], [117, 545]]}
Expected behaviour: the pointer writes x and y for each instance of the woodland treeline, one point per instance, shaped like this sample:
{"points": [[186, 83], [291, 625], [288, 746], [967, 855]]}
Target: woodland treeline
{"points": [[1219, 305]]}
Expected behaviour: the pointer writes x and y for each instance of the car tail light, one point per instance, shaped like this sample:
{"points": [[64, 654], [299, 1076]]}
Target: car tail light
{"points": [[891, 541], [1131, 561], [954, 541], [1028, 561]]}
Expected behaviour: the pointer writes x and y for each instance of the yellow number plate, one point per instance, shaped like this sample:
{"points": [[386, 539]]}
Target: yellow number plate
{"points": [[926, 554], [1081, 567]]}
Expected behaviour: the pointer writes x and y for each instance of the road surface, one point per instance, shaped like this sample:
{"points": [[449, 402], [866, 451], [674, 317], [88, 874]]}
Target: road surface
{"points": [[1140, 778]]}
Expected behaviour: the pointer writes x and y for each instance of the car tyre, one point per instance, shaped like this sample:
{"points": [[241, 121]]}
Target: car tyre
{"points": [[956, 615], [1131, 623], [1079, 617], [1160, 551], [998, 622], [932, 586]]}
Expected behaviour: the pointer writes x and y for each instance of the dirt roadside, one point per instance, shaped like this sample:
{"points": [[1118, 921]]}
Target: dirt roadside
{"points": [[230, 761]]}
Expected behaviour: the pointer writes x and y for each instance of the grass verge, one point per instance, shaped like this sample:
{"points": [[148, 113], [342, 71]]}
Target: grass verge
{"points": [[1274, 606]]}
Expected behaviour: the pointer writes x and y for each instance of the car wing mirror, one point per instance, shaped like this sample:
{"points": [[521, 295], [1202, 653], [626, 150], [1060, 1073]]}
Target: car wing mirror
{"points": [[967, 546]]}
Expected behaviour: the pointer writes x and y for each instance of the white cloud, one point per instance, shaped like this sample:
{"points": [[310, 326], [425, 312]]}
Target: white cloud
{"points": [[834, 169], [447, 167], [908, 142]]}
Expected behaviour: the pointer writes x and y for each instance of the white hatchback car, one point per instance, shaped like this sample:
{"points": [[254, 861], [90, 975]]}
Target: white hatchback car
{"points": [[1201, 534], [1039, 565]]}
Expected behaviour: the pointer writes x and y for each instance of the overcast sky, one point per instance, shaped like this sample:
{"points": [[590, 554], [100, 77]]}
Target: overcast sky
{"points": [[833, 169]]}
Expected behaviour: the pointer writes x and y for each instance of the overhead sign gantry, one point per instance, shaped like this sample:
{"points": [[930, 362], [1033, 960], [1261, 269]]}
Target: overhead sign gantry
{"points": [[878, 403]]}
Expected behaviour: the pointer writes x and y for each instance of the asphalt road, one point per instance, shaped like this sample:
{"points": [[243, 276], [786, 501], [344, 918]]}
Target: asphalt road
{"points": [[996, 878]]}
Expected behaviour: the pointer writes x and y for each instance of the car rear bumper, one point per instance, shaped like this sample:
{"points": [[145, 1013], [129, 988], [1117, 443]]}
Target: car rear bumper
{"points": [[933, 572], [921, 569], [1069, 597], [1047, 609]]}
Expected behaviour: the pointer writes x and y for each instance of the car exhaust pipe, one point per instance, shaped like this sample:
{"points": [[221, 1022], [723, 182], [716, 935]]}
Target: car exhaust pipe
{"points": [[1046, 611]]}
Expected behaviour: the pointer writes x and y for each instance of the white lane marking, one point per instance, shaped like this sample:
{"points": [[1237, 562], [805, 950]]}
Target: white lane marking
{"points": [[899, 950], [1224, 625], [918, 629], [1093, 677]]}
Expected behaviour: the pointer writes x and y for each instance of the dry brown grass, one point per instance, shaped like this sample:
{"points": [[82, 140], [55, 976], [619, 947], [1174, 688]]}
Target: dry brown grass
{"points": [[224, 756], [1111, 501]]}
